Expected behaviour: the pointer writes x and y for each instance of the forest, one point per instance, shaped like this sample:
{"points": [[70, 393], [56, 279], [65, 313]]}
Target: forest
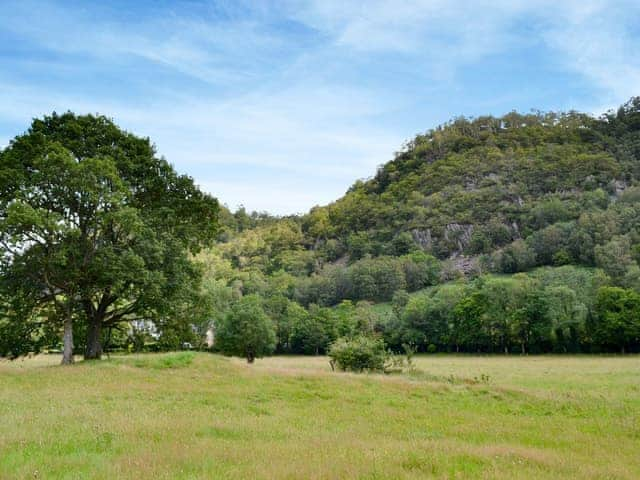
{"points": [[518, 234]]}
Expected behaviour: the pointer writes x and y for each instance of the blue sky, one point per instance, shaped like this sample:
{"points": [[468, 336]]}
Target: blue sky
{"points": [[281, 105]]}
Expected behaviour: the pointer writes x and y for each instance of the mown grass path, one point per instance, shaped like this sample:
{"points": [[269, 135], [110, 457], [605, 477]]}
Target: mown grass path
{"points": [[180, 417]]}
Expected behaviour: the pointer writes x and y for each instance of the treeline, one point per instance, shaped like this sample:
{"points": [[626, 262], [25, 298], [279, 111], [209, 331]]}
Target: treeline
{"points": [[551, 310]]}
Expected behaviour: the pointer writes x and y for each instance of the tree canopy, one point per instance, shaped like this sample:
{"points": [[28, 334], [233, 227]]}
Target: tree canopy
{"points": [[95, 228], [246, 330]]}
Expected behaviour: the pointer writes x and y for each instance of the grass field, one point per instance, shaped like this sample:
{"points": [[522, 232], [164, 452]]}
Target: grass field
{"points": [[183, 416]]}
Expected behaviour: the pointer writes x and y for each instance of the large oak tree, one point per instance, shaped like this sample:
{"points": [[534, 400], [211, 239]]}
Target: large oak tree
{"points": [[95, 228]]}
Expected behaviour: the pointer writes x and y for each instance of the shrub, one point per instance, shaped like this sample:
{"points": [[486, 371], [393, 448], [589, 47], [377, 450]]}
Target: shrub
{"points": [[515, 257], [432, 348], [359, 354]]}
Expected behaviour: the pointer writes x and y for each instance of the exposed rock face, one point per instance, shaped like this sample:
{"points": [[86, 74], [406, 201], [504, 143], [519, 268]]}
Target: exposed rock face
{"points": [[456, 236], [458, 233], [422, 238], [343, 261], [516, 230], [619, 186]]}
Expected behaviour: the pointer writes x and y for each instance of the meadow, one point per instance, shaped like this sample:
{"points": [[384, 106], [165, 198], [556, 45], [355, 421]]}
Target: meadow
{"points": [[192, 416]]}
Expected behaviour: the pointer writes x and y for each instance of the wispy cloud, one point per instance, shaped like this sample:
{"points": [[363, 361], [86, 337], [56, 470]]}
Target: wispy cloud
{"points": [[262, 101], [596, 38], [601, 41]]}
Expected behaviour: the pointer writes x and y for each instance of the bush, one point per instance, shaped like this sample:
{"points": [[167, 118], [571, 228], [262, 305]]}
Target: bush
{"points": [[515, 257], [432, 348], [359, 354]]}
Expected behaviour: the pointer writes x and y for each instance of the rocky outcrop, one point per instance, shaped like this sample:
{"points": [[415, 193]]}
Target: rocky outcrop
{"points": [[422, 238], [460, 234]]}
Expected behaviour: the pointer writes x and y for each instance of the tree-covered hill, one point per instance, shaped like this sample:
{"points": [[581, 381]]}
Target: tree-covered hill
{"points": [[474, 186], [505, 194], [464, 201]]}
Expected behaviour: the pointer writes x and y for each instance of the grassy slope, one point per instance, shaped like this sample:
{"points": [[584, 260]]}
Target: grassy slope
{"points": [[290, 417]]}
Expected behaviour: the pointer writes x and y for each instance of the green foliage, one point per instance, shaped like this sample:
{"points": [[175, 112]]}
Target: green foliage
{"points": [[359, 354], [376, 278], [373, 279], [399, 301], [308, 334], [420, 270], [95, 227], [402, 244], [284, 313], [246, 330], [174, 334], [502, 195], [617, 318], [548, 310], [615, 257], [515, 257], [19, 336]]}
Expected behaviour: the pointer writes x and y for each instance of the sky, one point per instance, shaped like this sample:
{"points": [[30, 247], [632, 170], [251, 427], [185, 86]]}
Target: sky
{"points": [[281, 105]]}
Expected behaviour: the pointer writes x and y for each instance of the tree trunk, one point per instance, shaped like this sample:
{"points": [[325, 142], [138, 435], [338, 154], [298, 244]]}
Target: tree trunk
{"points": [[67, 339], [94, 340], [250, 357]]}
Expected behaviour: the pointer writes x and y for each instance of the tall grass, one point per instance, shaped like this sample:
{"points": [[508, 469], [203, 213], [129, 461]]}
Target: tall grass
{"points": [[200, 416]]}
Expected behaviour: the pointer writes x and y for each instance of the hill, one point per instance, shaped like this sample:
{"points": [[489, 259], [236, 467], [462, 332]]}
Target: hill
{"points": [[468, 199], [474, 186]]}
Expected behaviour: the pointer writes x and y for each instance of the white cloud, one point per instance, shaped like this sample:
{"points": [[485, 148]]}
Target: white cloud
{"points": [[282, 152], [595, 40], [304, 121], [591, 37], [431, 27], [213, 52]]}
